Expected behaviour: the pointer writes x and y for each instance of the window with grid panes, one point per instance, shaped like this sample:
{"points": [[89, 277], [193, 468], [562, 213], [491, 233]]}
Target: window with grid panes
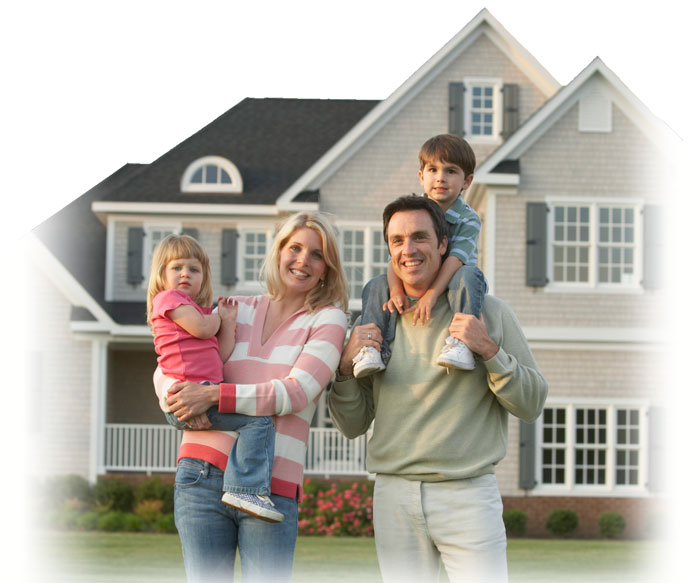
{"points": [[594, 446], [255, 249], [482, 110], [594, 245], [353, 254]]}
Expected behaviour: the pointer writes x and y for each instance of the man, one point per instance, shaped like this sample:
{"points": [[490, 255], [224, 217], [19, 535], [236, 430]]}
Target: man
{"points": [[437, 434]]}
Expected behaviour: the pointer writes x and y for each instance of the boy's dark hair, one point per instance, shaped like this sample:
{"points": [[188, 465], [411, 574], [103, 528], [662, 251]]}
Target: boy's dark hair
{"points": [[448, 148], [414, 202]]}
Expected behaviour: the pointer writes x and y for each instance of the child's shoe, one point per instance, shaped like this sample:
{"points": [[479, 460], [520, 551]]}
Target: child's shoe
{"points": [[456, 354], [367, 361], [255, 504]]}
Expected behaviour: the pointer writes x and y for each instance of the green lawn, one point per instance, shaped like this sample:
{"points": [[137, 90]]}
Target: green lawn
{"points": [[100, 557]]}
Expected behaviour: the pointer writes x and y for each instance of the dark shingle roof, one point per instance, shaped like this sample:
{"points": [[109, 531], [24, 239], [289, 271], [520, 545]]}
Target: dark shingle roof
{"points": [[271, 141]]}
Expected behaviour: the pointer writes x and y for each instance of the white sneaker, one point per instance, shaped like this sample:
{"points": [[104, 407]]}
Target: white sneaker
{"points": [[456, 354], [367, 361]]}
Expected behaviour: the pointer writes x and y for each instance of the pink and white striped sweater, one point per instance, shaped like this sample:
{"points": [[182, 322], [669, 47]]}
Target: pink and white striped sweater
{"points": [[283, 377]]}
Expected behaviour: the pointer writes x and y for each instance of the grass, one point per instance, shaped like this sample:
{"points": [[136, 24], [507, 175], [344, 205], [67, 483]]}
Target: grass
{"points": [[127, 557]]}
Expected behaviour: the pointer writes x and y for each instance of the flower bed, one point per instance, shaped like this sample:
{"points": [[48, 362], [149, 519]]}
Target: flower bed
{"points": [[336, 508]]}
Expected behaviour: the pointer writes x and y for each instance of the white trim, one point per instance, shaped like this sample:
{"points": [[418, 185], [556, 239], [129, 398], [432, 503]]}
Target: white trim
{"points": [[179, 208], [490, 242], [591, 335], [109, 293], [482, 23], [497, 178], [63, 279], [235, 187]]}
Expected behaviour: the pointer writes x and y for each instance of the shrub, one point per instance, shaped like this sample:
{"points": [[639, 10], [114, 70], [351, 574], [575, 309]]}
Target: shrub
{"points": [[149, 510], [515, 522], [114, 494], [89, 520], [562, 522], [134, 523], [155, 489], [331, 509], [611, 524], [166, 524], [112, 521]]}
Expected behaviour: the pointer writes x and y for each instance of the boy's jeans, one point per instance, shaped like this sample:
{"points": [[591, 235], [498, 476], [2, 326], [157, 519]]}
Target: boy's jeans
{"points": [[466, 292], [249, 467]]}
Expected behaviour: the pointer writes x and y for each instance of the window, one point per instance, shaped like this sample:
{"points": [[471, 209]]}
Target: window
{"points": [[592, 447], [153, 236], [594, 245], [483, 107], [254, 249], [212, 174], [364, 256]]}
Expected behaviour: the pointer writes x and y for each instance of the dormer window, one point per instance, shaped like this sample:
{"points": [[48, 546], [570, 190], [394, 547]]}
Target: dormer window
{"points": [[212, 174]]}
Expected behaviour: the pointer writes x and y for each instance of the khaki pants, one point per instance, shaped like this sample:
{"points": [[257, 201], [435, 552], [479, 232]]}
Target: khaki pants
{"points": [[459, 522]]}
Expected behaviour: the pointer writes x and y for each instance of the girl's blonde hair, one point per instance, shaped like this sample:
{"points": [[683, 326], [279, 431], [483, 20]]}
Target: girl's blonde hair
{"points": [[178, 247], [332, 291]]}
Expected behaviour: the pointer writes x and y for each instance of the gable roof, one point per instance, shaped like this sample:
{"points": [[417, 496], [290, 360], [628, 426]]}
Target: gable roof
{"points": [[379, 116], [495, 169], [271, 141]]}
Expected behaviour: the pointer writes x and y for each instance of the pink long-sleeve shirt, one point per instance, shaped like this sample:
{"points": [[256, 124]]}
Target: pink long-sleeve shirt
{"points": [[283, 377]]}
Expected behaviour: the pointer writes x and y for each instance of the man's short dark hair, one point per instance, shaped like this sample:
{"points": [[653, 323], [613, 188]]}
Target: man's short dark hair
{"points": [[414, 202]]}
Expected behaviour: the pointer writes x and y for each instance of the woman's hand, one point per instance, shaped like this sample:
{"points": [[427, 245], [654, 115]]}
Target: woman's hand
{"points": [[188, 400], [199, 422]]}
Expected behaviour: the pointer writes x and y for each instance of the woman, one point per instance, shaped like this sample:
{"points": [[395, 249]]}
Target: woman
{"points": [[288, 344]]}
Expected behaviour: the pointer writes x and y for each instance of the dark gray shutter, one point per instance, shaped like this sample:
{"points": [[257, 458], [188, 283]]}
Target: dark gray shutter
{"points": [[536, 244], [136, 238], [656, 449], [456, 92], [526, 462], [510, 119], [190, 232], [229, 246], [653, 248]]}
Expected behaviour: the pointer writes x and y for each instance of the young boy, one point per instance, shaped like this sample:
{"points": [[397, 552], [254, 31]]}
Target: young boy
{"points": [[447, 165]]}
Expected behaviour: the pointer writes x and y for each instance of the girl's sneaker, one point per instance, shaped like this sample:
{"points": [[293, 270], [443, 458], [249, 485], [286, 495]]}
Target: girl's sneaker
{"points": [[255, 504]]}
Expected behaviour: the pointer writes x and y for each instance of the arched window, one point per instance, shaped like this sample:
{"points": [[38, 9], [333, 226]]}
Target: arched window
{"points": [[212, 174]]}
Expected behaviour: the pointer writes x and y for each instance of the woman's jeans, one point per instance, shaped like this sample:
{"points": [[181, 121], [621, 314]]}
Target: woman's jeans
{"points": [[211, 531], [466, 292], [249, 467]]}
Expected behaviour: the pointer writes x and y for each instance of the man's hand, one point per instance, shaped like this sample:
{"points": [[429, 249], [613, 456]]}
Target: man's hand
{"points": [[473, 332], [366, 335]]}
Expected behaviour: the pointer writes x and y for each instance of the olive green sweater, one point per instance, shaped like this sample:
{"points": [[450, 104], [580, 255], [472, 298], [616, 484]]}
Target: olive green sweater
{"points": [[433, 426]]}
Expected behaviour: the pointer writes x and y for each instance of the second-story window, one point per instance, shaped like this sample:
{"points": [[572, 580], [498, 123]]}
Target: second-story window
{"points": [[594, 245]]}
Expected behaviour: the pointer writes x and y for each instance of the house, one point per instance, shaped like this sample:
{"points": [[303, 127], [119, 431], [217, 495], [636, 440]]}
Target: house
{"points": [[570, 190]]}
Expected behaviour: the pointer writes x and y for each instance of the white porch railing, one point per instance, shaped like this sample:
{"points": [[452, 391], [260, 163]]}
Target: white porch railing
{"points": [[153, 448]]}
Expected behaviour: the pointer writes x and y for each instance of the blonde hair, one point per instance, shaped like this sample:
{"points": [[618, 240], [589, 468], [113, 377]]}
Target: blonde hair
{"points": [[174, 247], [333, 288]]}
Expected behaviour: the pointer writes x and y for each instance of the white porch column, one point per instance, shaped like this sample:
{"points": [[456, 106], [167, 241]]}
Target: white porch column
{"points": [[98, 408]]}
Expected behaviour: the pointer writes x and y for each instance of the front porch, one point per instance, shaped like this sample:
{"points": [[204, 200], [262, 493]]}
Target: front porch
{"points": [[149, 448]]}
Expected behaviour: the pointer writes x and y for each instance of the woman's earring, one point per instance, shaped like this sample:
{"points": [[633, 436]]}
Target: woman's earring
{"points": [[322, 283]]}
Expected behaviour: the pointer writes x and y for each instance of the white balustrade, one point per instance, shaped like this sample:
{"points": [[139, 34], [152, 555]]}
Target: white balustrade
{"points": [[153, 448]]}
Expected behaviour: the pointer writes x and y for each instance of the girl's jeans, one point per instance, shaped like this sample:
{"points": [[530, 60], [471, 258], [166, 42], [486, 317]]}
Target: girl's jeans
{"points": [[249, 467], [466, 292]]}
